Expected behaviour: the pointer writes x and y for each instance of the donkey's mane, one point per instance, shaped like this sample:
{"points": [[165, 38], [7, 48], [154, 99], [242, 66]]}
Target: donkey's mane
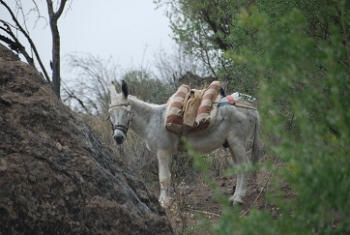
{"points": [[144, 103]]}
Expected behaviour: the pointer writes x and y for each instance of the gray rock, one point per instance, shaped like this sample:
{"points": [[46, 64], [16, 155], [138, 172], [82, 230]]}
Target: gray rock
{"points": [[56, 177]]}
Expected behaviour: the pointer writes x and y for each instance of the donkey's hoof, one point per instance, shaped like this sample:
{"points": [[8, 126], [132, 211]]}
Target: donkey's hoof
{"points": [[236, 200], [164, 202], [232, 198], [237, 203]]}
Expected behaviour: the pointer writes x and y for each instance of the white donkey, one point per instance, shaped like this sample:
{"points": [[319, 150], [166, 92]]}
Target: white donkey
{"points": [[233, 124]]}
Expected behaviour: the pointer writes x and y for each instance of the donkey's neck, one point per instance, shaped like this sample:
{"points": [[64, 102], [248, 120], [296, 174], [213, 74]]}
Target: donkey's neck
{"points": [[142, 115]]}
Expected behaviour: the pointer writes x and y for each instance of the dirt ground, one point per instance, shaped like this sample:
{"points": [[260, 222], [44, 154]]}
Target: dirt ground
{"points": [[192, 198]]}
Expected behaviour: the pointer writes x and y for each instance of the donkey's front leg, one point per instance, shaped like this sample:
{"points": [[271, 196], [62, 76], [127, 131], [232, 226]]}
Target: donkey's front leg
{"points": [[164, 158]]}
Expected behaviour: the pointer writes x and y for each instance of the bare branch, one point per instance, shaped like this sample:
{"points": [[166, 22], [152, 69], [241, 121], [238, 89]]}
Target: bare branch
{"points": [[60, 9], [15, 44], [93, 90], [20, 9], [71, 95], [28, 38], [55, 15], [39, 16]]}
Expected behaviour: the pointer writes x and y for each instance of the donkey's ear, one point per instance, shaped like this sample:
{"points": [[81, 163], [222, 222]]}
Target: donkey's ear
{"points": [[113, 92], [125, 89]]}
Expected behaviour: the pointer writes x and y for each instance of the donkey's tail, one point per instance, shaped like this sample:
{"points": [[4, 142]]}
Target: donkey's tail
{"points": [[255, 149]]}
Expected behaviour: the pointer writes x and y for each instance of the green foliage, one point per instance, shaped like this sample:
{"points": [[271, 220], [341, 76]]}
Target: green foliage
{"points": [[304, 72], [297, 55], [207, 29]]}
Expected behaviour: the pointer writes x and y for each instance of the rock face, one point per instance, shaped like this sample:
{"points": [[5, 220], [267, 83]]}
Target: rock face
{"points": [[56, 177]]}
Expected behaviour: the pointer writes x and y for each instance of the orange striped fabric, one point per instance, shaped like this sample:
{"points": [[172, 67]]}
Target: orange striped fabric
{"points": [[184, 103], [204, 110], [174, 120]]}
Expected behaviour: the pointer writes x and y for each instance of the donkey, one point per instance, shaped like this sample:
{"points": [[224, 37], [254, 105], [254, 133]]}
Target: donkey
{"points": [[233, 124]]}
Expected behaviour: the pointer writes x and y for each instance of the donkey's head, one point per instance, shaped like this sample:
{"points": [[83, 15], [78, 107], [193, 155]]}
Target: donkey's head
{"points": [[119, 113]]}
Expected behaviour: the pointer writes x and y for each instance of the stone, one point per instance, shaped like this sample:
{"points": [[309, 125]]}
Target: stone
{"points": [[56, 177]]}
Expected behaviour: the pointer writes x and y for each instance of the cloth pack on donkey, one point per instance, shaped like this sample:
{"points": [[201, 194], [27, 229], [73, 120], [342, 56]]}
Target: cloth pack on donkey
{"points": [[192, 110], [240, 100]]}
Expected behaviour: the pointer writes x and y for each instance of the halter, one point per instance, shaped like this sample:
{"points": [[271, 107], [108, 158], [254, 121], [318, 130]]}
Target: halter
{"points": [[122, 128]]}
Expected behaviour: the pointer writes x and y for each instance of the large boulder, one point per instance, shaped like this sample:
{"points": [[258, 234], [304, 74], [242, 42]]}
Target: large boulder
{"points": [[56, 177]]}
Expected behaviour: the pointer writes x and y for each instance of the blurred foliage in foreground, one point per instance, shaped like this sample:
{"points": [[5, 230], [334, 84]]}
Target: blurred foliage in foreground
{"points": [[303, 65], [296, 56]]}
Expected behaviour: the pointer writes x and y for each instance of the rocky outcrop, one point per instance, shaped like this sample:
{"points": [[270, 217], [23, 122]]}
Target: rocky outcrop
{"points": [[56, 177]]}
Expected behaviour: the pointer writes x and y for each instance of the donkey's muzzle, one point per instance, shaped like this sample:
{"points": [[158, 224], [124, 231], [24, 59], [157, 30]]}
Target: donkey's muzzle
{"points": [[119, 139], [119, 133]]}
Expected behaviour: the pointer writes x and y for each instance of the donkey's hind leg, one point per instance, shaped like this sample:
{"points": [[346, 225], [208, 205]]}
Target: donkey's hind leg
{"points": [[238, 153], [238, 178]]}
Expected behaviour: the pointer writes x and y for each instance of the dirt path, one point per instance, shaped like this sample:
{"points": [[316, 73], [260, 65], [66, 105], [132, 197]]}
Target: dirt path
{"points": [[192, 197]]}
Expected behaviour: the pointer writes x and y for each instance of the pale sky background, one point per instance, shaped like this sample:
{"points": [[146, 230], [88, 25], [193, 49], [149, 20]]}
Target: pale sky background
{"points": [[129, 31]]}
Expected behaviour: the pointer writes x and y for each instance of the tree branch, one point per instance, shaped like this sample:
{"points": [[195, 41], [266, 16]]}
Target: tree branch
{"points": [[28, 38], [15, 44], [60, 9], [73, 96]]}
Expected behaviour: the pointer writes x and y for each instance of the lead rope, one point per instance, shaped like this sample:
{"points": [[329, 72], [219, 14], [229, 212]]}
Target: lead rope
{"points": [[120, 151]]}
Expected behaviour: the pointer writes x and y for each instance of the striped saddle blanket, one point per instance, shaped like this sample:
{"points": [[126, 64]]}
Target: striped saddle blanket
{"points": [[193, 110]]}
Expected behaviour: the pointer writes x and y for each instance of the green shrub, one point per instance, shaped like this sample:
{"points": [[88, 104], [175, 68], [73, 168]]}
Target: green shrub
{"points": [[305, 84], [300, 53]]}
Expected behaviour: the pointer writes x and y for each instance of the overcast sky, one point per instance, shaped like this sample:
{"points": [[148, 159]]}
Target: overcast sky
{"points": [[127, 30]]}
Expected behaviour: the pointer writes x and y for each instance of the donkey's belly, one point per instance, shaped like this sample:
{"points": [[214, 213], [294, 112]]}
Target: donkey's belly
{"points": [[205, 144]]}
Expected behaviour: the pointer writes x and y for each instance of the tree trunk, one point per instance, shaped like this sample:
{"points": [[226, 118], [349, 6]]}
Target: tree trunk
{"points": [[56, 73], [56, 68]]}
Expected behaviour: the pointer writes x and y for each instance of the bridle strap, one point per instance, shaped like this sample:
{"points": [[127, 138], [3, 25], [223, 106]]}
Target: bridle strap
{"points": [[118, 105], [121, 128]]}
